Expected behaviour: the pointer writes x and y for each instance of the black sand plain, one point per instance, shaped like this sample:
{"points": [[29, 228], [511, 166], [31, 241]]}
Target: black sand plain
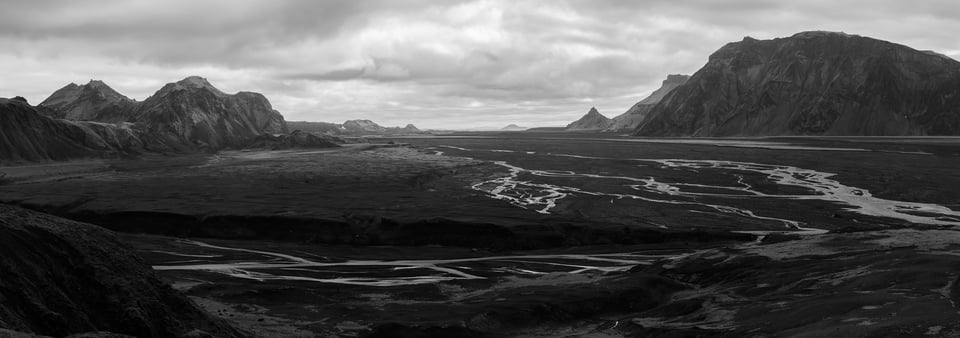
{"points": [[588, 234]]}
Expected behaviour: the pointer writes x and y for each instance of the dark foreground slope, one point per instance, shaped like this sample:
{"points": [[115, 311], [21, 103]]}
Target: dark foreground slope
{"points": [[814, 83], [59, 277], [25, 135]]}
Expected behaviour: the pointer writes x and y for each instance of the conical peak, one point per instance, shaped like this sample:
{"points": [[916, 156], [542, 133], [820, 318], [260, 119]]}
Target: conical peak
{"points": [[195, 82], [96, 83]]}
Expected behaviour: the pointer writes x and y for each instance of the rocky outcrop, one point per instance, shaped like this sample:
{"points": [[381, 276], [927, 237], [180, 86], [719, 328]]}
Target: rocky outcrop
{"points": [[633, 117], [94, 101], [814, 83], [192, 113], [363, 126], [409, 129], [59, 277], [591, 121], [28, 136]]}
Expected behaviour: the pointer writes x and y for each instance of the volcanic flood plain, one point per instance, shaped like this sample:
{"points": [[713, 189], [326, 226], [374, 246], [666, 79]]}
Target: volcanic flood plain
{"points": [[541, 235]]}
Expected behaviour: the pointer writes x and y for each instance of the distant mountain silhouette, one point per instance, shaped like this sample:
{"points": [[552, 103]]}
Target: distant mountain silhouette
{"points": [[813, 83], [513, 127], [352, 128], [593, 120], [632, 118]]}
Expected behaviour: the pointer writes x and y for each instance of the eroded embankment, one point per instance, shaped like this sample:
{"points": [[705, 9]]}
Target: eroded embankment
{"points": [[375, 230]]}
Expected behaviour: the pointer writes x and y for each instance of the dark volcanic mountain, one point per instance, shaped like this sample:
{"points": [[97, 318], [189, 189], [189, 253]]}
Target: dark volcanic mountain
{"points": [[187, 115], [192, 113], [94, 101], [26, 135], [593, 120], [814, 83], [632, 118], [59, 277], [513, 127]]}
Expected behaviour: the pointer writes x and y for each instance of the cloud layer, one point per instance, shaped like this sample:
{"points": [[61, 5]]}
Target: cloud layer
{"points": [[437, 64]]}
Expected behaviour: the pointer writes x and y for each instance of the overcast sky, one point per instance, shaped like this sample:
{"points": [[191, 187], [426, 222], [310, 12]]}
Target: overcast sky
{"points": [[436, 64]]}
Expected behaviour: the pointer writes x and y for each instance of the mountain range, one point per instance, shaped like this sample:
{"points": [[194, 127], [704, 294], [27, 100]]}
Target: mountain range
{"points": [[94, 120], [813, 83], [352, 128]]}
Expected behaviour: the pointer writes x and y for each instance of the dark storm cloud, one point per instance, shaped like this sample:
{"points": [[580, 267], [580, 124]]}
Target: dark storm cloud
{"points": [[427, 62]]}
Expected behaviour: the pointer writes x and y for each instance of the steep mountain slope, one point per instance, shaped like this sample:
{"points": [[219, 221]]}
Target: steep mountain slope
{"points": [[192, 113], [59, 277], [632, 118], [94, 101], [26, 135], [814, 83], [592, 120]]}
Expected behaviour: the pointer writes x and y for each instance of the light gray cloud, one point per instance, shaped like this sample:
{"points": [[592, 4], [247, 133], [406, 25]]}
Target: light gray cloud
{"points": [[463, 63]]}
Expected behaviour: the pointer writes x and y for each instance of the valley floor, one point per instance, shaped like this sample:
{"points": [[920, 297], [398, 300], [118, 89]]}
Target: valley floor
{"points": [[542, 235]]}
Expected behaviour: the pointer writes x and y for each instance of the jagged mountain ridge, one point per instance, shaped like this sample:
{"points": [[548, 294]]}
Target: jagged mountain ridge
{"points": [[813, 83], [592, 120], [633, 117]]}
